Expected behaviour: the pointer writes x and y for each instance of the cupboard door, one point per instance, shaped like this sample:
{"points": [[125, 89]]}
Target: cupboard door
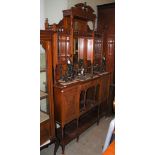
{"points": [[70, 105], [105, 87]]}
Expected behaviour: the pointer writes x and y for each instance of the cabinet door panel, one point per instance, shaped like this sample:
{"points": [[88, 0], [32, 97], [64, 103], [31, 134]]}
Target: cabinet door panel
{"points": [[44, 132], [70, 105], [105, 87]]}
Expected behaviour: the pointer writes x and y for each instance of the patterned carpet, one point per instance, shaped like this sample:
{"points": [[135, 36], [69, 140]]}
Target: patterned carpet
{"points": [[90, 142]]}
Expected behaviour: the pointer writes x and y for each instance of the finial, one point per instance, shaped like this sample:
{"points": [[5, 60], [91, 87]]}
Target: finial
{"points": [[46, 23]]}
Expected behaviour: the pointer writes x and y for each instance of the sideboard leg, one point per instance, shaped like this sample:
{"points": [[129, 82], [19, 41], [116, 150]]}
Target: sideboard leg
{"points": [[77, 123], [57, 143], [62, 140], [98, 114]]}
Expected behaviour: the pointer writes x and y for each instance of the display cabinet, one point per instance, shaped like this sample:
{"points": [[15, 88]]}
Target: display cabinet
{"points": [[79, 71], [47, 124], [106, 25]]}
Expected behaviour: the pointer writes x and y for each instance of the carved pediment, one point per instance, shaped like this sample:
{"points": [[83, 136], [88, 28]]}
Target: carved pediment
{"points": [[81, 10]]}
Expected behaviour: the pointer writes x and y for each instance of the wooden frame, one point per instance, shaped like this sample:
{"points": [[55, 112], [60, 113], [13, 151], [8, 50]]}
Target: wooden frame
{"points": [[47, 124]]}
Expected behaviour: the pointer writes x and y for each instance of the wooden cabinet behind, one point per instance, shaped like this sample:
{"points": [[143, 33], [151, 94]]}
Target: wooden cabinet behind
{"points": [[106, 24], [106, 18]]}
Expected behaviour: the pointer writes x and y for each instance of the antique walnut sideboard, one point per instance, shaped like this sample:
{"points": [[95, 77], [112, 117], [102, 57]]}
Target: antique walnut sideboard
{"points": [[78, 103], [80, 81]]}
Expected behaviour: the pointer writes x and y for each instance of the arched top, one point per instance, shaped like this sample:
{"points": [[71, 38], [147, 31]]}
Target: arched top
{"points": [[82, 11], [76, 17]]}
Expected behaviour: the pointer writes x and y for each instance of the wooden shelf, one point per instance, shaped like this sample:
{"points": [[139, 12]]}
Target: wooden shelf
{"points": [[43, 95], [87, 120], [43, 117], [42, 69], [71, 130]]}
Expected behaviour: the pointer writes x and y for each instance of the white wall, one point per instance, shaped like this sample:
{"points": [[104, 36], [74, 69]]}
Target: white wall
{"points": [[53, 10], [42, 14]]}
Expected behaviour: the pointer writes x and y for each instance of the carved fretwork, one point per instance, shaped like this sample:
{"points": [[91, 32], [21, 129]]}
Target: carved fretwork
{"points": [[82, 11]]}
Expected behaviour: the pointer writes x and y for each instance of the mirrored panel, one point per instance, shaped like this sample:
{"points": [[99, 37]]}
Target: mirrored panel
{"points": [[90, 49], [90, 25], [81, 48]]}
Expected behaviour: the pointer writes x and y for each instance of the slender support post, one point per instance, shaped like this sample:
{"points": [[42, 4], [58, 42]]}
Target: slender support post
{"points": [[57, 143], [77, 123], [98, 114], [62, 140]]}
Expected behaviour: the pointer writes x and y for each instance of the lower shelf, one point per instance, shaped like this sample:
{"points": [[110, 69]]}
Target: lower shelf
{"points": [[87, 120], [71, 131]]}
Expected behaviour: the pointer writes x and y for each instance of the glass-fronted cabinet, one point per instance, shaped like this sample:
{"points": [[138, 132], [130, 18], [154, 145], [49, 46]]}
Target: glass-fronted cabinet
{"points": [[44, 107], [47, 124]]}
